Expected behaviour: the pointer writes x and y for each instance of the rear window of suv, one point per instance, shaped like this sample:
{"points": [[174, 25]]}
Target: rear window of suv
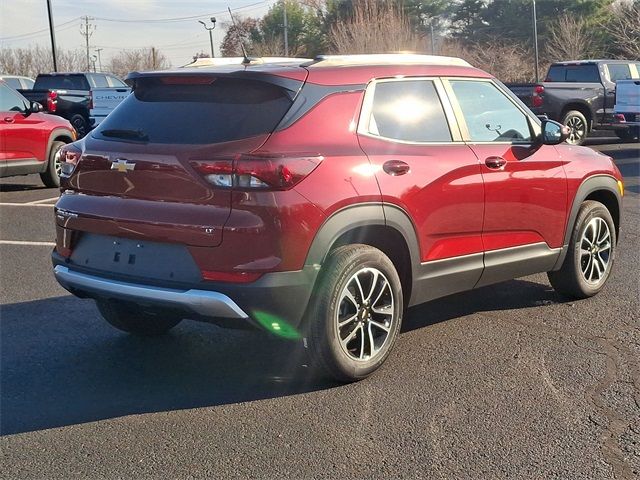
{"points": [[212, 110]]}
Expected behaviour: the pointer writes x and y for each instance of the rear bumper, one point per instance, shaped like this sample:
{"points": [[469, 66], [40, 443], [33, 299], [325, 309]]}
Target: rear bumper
{"points": [[280, 297], [200, 302]]}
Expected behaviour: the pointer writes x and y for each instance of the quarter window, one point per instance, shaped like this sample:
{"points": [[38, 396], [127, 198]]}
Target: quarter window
{"points": [[490, 116], [619, 71], [408, 110]]}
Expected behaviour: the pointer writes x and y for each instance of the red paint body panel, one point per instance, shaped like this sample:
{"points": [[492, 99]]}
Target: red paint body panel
{"points": [[526, 201], [27, 138], [443, 193]]}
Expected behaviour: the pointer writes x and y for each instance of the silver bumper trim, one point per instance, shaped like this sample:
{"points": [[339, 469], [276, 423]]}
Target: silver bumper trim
{"points": [[203, 302]]}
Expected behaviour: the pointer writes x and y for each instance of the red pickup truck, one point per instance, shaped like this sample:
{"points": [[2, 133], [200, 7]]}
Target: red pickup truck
{"points": [[29, 139]]}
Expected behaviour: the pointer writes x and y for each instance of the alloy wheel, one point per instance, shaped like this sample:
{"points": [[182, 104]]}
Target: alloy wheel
{"points": [[365, 314], [595, 250], [577, 128]]}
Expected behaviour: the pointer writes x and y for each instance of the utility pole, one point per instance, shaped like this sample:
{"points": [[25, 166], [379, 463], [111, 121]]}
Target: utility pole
{"points": [[153, 58], [286, 28], [98, 50], [87, 31], [53, 37], [213, 21], [433, 43], [535, 39]]}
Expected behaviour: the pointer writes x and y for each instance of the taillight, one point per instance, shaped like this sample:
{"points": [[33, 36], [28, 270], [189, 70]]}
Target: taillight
{"points": [[257, 171], [69, 156], [52, 102], [538, 92]]}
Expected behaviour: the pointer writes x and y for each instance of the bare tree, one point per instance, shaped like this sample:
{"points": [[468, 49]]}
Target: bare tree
{"points": [[138, 60], [571, 37], [374, 27], [508, 62], [624, 29], [34, 60]]}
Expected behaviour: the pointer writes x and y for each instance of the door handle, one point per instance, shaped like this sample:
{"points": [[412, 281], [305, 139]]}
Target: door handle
{"points": [[495, 163], [396, 167], [9, 119]]}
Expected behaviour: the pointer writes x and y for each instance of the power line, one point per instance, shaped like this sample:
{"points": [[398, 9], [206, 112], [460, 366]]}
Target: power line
{"points": [[183, 19], [44, 31]]}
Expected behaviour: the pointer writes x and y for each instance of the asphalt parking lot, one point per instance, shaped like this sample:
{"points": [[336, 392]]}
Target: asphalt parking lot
{"points": [[509, 381]]}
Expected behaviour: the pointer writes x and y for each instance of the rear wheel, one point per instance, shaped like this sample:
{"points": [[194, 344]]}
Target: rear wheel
{"points": [[80, 124], [589, 260], [51, 176], [356, 313], [578, 126], [135, 320]]}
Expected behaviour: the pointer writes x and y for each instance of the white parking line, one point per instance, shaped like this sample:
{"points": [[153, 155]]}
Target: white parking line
{"points": [[46, 200], [26, 205], [21, 242]]}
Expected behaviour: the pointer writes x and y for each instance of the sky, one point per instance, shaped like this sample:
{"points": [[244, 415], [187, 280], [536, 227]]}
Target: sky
{"points": [[124, 24]]}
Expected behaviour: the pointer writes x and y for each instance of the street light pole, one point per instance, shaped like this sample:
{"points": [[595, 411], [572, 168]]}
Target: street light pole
{"points": [[535, 40], [213, 21], [53, 37]]}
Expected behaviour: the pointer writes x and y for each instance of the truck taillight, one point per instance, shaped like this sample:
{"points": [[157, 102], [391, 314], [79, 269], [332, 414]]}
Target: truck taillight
{"points": [[257, 171], [69, 156], [538, 92], [52, 102]]}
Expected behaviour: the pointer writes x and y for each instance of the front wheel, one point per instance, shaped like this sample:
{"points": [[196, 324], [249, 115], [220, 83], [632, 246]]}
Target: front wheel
{"points": [[589, 260], [578, 127], [134, 320], [356, 313]]}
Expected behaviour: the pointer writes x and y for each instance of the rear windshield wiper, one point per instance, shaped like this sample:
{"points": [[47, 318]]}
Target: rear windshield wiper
{"points": [[124, 133]]}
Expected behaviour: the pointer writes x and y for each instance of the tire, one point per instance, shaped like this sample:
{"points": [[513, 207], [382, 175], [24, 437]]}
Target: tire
{"points": [[579, 126], [585, 269], [134, 320], [80, 124], [376, 323], [628, 134], [51, 176]]}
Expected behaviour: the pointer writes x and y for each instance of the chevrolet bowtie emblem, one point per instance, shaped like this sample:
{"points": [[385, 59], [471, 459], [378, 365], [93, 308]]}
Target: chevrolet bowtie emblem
{"points": [[122, 165]]}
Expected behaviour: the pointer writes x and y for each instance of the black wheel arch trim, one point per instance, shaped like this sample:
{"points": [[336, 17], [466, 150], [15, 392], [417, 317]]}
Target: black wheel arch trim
{"points": [[363, 215], [590, 185]]}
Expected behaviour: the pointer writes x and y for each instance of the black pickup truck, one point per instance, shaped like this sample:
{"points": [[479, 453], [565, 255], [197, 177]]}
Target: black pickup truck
{"points": [[82, 98], [580, 94]]}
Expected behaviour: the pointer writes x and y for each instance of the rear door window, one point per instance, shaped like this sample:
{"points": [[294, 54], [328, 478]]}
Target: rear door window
{"points": [[184, 110], [100, 80], [408, 110], [619, 71], [489, 115], [115, 82]]}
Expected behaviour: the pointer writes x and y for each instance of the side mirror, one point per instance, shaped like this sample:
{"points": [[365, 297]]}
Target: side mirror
{"points": [[36, 107], [554, 133]]}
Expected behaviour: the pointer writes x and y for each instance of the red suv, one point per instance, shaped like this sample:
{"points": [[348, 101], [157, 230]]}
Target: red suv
{"points": [[320, 201], [30, 140]]}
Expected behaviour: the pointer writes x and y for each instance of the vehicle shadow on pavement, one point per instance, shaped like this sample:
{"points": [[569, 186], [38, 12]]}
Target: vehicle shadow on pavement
{"points": [[61, 364], [21, 187]]}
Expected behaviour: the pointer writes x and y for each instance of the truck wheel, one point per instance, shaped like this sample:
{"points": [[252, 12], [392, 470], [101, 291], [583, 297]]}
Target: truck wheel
{"points": [[578, 125], [355, 314], [80, 124], [136, 321], [51, 176], [588, 263], [628, 134]]}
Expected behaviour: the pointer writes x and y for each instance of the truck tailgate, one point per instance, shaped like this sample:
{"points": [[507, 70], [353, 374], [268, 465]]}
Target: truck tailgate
{"points": [[106, 99]]}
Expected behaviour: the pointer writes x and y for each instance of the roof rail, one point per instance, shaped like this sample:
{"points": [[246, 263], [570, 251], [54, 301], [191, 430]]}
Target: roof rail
{"points": [[223, 61], [386, 59]]}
